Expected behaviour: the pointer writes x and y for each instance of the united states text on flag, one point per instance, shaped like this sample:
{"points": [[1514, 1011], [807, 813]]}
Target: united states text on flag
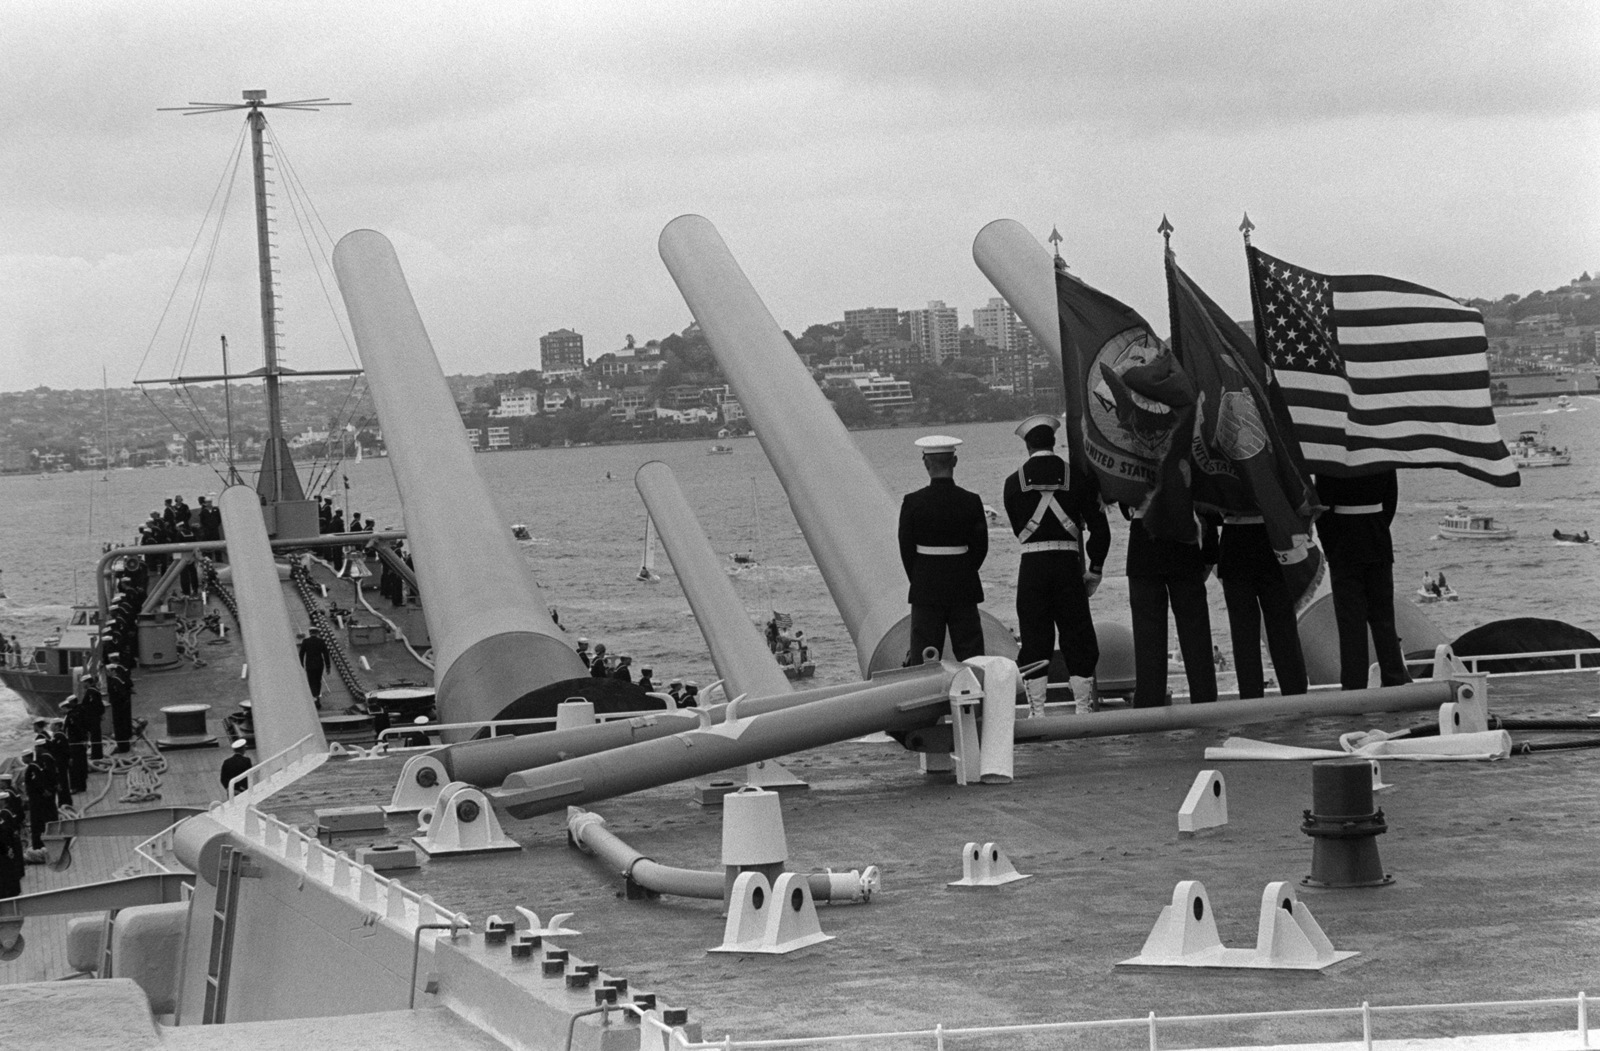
{"points": [[1378, 372]]}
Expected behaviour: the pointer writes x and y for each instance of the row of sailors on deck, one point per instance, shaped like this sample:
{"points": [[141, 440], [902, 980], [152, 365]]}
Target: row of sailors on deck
{"points": [[603, 665], [1056, 512]]}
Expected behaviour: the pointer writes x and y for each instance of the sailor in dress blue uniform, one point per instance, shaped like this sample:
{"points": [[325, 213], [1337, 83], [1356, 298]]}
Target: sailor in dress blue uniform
{"points": [[1050, 509], [944, 538]]}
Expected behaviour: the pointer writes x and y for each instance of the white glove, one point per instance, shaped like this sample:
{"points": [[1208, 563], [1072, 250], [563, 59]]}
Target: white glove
{"points": [[1091, 583]]}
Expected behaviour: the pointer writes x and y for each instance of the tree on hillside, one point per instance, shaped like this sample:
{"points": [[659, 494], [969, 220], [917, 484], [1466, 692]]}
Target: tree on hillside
{"points": [[851, 405]]}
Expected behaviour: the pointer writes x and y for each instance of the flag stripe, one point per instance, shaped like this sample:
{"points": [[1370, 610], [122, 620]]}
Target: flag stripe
{"points": [[1383, 301], [1417, 384], [1406, 334], [1346, 284], [1434, 357], [1350, 317]]}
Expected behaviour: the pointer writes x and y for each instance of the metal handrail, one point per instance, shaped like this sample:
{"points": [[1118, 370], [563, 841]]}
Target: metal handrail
{"points": [[495, 724], [259, 774], [676, 1039]]}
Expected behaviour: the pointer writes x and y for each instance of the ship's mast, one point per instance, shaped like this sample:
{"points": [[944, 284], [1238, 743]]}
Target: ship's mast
{"points": [[279, 483]]}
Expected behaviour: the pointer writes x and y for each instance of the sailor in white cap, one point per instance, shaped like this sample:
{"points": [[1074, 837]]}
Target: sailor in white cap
{"points": [[1051, 508], [236, 764], [944, 538]]}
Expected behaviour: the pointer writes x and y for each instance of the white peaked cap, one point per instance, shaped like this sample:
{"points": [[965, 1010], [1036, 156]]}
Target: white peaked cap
{"points": [[935, 444]]}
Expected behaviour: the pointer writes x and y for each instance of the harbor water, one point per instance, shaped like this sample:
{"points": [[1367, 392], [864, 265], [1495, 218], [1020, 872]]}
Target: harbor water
{"points": [[587, 526]]}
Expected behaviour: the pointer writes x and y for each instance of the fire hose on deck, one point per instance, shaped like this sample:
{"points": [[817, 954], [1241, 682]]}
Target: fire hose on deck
{"points": [[586, 831]]}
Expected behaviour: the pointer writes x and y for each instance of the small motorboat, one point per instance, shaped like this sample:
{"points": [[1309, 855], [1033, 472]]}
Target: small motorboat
{"points": [[1571, 538], [719, 450], [521, 532], [1533, 449], [1463, 524]]}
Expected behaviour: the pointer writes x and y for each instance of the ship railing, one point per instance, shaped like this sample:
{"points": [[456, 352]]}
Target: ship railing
{"points": [[494, 726], [1575, 655], [1151, 1025], [336, 871], [273, 772], [1472, 664], [265, 778]]}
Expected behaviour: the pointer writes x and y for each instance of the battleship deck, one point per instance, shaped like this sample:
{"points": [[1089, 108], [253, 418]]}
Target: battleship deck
{"points": [[1493, 895]]}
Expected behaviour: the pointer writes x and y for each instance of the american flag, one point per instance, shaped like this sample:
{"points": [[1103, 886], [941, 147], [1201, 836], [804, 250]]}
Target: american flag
{"points": [[1378, 372]]}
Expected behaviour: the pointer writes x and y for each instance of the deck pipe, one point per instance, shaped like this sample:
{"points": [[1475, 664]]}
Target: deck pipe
{"points": [[847, 516], [891, 701], [587, 831], [283, 709], [738, 651], [1413, 697], [493, 642], [908, 701], [487, 762]]}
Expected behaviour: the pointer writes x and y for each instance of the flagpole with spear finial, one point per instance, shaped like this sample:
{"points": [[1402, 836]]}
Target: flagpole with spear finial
{"points": [[1055, 240], [1245, 228], [1165, 230]]}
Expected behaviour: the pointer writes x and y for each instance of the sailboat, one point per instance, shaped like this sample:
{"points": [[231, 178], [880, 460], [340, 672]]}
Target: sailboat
{"points": [[647, 562]]}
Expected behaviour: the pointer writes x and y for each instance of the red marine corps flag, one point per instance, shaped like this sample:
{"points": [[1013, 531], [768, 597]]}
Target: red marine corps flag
{"points": [[1243, 456], [1377, 372]]}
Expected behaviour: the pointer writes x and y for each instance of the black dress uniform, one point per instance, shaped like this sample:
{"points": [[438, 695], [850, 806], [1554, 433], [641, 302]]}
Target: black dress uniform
{"points": [[39, 782], [91, 714], [1162, 572], [11, 860], [1354, 531], [314, 658], [234, 765], [944, 538], [1257, 594], [119, 691], [1050, 511]]}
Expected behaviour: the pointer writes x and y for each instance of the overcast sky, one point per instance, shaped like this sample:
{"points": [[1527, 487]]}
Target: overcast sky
{"points": [[523, 157]]}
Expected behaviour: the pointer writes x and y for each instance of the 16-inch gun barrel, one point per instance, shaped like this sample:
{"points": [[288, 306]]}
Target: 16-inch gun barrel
{"points": [[282, 708], [493, 642], [847, 516]]}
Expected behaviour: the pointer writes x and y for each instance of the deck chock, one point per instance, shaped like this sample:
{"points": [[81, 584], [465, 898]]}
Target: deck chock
{"points": [[339, 820], [773, 918], [1471, 714], [1288, 937], [1206, 806], [992, 760], [421, 780], [936, 762], [573, 713], [773, 776], [461, 822], [557, 927], [986, 866], [386, 857], [768, 775]]}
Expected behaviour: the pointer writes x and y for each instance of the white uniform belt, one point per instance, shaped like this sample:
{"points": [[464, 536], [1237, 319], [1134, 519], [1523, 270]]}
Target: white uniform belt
{"points": [[1242, 520], [1049, 545], [1357, 509], [932, 549]]}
